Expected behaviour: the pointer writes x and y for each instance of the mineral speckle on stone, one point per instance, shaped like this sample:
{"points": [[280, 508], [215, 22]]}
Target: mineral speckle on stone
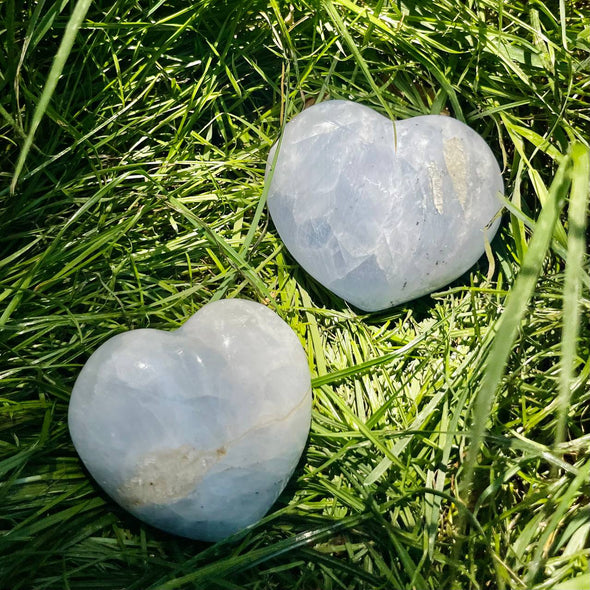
{"points": [[196, 431], [382, 216]]}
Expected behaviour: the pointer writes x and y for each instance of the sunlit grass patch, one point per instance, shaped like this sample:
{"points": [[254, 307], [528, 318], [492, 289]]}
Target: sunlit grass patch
{"points": [[138, 202]]}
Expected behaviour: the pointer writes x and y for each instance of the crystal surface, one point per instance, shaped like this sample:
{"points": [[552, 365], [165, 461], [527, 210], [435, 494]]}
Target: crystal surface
{"points": [[382, 215], [196, 431]]}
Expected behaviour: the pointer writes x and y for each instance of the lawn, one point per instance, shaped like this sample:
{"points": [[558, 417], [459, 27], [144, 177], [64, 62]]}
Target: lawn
{"points": [[450, 437]]}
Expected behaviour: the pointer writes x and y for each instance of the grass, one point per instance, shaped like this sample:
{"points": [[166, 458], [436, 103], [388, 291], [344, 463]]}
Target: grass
{"points": [[450, 439]]}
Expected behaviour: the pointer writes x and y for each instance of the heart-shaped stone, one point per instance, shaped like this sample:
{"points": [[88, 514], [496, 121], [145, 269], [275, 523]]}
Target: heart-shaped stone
{"points": [[196, 431], [381, 214]]}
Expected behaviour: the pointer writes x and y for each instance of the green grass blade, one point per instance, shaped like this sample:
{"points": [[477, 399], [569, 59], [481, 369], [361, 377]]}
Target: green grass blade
{"points": [[57, 67], [510, 320], [256, 556], [574, 270], [343, 31], [557, 513], [238, 261]]}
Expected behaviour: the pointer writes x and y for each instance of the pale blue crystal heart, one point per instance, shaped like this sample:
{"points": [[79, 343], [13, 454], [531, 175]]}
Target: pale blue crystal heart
{"points": [[196, 431], [377, 214]]}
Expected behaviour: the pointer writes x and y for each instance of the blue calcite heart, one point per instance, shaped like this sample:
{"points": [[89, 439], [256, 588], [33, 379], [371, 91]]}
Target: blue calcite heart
{"points": [[380, 215], [196, 431]]}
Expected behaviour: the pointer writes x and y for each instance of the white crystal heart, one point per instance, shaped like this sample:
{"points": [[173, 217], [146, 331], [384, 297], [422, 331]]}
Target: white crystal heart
{"points": [[381, 216], [196, 431]]}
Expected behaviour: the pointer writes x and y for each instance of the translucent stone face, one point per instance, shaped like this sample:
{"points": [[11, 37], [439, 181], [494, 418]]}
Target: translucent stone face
{"points": [[196, 431], [381, 216]]}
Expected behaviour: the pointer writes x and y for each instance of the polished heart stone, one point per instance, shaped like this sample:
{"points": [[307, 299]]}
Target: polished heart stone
{"points": [[196, 431], [382, 215]]}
